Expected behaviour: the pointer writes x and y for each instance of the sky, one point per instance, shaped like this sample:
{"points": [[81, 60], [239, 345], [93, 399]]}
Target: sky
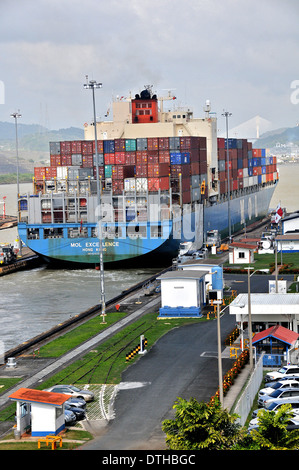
{"points": [[242, 55]]}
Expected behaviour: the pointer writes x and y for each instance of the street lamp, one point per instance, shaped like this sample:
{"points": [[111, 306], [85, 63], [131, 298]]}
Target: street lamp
{"points": [[92, 85], [16, 116], [220, 378], [249, 315], [226, 114]]}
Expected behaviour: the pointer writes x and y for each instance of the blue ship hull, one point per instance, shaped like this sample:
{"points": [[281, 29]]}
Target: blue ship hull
{"points": [[148, 249]]}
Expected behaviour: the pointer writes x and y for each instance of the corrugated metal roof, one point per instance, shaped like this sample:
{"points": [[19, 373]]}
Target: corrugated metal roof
{"points": [[278, 332], [183, 274], [266, 299], [39, 396]]}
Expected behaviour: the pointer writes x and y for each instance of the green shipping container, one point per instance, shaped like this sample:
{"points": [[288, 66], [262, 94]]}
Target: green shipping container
{"points": [[130, 145], [108, 171]]}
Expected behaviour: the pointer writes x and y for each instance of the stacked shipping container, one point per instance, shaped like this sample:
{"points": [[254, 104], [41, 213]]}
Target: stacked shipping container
{"points": [[153, 164], [145, 164], [247, 166]]}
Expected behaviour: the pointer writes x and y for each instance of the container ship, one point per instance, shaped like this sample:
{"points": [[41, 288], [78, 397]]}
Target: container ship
{"points": [[142, 184]]}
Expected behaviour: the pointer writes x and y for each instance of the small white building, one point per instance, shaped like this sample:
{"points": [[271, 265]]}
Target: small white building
{"points": [[267, 310], [288, 243], [182, 293], [42, 412], [213, 279], [290, 223], [241, 253]]}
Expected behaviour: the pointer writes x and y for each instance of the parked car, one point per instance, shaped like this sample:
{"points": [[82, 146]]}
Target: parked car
{"points": [[279, 393], [279, 385], [72, 390], [69, 418], [273, 406], [283, 379], [293, 423], [282, 372], [76, 403], [78, 412]]}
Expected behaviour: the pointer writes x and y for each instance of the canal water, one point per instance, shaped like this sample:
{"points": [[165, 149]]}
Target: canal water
{"points": [[33, 301]]}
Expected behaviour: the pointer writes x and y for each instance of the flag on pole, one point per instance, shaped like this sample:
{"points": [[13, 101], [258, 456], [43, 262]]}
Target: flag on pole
{"points": [[278, 214]]}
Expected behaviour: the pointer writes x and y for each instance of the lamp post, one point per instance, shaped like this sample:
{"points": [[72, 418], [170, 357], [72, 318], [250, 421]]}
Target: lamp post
{"points": [[249, 315], [226, 114], [220, 378], [92, 85], [16, 116]]}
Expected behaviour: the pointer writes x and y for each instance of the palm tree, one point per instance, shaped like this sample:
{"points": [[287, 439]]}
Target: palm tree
{"points": [[272, 433], [201, 425]]}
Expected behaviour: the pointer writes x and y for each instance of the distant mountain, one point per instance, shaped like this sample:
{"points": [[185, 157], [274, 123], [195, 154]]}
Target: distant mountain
{"points": [[33, 137], [281, 139]]}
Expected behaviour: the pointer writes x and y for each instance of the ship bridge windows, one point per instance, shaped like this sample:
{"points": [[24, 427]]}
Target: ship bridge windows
{"points": [[53, 232], [32, 234]]}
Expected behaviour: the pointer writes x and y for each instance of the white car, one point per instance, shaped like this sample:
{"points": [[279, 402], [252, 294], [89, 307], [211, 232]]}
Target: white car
{"points": [[282, 372], [278, 385]]}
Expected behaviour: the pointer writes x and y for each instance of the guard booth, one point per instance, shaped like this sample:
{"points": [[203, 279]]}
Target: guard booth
{"points": [[42, 412], [276, 342], [182, 293]]}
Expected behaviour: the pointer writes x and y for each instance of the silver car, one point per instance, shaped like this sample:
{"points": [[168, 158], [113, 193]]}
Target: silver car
{"points": [[72, 390], [281, 393], [279, 385]]}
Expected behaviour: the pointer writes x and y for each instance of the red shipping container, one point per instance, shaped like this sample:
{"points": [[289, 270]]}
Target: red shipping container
{"points": [[194, 155], [152, 143], [141, 157], [154, 184], [120, 145], [129, 171], [221, 143], [186, 197], [222, 176], [235, 185], [221, 154], [87, 161], [185, 143], [240, 173], [118, 172], [195, 168], [109, 158], [51, 172], [186, 183], [120, 158], [164, 156], [76, 146], [164, 143], [153, 156], [141, 171], [65, 147], [39, 172], [87, 147], [233, 154], [101, 171], [130, 158], [100, 146], [117, 186], [66, 160], [55, 160], [157, 169], [202, 142]]}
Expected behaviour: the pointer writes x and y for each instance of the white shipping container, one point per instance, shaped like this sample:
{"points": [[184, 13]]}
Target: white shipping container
{"points": [[129, 184], [141, 185], [245, 172], [62, 172], [246, 182]]}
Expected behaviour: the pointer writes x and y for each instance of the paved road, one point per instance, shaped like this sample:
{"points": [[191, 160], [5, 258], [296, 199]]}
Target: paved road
{"points": [[181, 364]]}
